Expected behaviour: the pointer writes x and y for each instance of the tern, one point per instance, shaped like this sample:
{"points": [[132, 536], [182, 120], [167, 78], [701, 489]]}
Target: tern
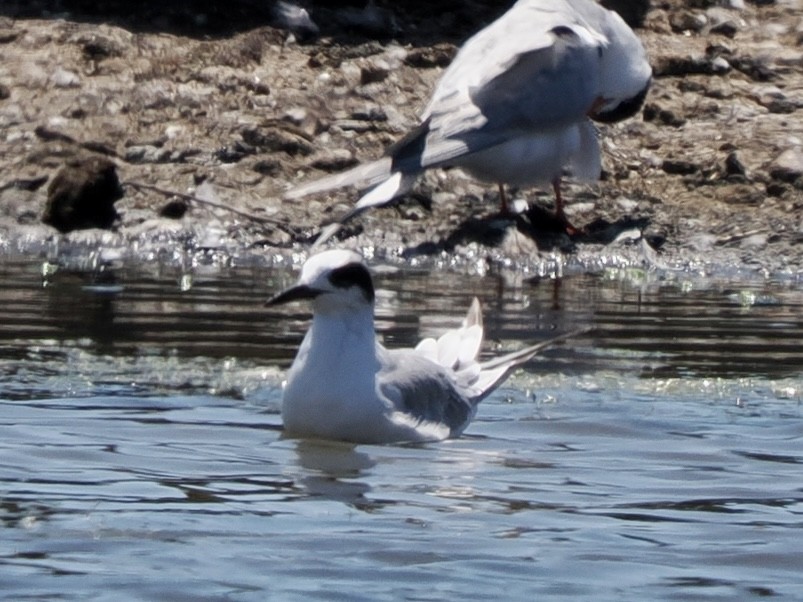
{"points": [[345, 385], [514, 107]]}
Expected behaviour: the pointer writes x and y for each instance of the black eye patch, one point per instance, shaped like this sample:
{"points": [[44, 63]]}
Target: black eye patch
{"points": [[624, 109], [354, 274]]}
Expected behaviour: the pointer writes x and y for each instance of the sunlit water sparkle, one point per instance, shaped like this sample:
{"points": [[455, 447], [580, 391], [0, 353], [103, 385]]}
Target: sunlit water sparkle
{"points": [[141, 455]]}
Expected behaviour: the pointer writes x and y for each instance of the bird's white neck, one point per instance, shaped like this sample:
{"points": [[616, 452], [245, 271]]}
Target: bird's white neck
{"points": [[331, 387], [355, 325]]}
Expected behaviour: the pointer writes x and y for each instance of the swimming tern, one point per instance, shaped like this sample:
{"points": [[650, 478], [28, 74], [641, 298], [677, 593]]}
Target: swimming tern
{"points": [[345, 385], [514, 107]]}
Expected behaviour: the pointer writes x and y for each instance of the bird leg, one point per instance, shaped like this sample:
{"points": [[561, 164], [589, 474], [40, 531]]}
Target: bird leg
{"points": [[504, 208], [560, 215]]}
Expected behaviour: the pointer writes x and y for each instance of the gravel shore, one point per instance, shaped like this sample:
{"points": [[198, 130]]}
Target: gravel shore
{"points": [[231, 109]]}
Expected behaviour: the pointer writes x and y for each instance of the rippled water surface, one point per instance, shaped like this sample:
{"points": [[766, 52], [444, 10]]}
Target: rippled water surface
{"points": [[658, 457]]}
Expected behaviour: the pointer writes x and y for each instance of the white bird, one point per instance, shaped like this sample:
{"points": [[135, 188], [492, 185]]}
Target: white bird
{"points": [[345, 385], [514, 105]]}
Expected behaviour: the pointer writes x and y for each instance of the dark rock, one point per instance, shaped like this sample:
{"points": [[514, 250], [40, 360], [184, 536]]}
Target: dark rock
{"points": [[267, 167], [278, 139], [753, 68], [97, 48], [82, 195], [439, 55], [733, 165], [5, 91], [777, 189], [679, 167], [725, 28], [781, 105], [652, 112], [373, 73], [683, 65], [174, 209], [233, 153]]}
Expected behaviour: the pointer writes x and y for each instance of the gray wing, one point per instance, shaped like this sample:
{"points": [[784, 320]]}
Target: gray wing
{"points": [[533, 69], [425, 393]]}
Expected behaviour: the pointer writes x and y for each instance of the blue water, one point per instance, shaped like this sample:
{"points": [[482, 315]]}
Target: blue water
{"points": [[657, 458]]}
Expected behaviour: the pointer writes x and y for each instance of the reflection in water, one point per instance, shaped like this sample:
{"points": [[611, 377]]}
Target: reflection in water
{"points": [[333, 469], [642, 322]]}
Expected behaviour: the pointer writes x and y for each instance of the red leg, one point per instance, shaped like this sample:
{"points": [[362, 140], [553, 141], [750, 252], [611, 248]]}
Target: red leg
{"points": [[504, 209], [559, 213]]}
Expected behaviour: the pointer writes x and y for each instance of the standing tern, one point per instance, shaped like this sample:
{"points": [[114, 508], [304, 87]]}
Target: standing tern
{"points": [[514, 105], [345, 385]]}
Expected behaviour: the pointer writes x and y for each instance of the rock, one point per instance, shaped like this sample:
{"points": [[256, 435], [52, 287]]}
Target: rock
{"points": [[720, 65], [98, 47], [679, 167], [652, 112], [374, 71], [754, 68], [369, 113], [5, 92], [147, 153], [295, 115], [439, 55], [174, 209], [788, 166], [63, 78], [267, 167], [688, 21], [82, 195], [682, 65], [723, 21], [734, 166], [277, 139], [333, 160]]}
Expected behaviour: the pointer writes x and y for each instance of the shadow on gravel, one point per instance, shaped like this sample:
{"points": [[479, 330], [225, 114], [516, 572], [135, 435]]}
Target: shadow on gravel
{"points": [[537, 224], [417, 22]]}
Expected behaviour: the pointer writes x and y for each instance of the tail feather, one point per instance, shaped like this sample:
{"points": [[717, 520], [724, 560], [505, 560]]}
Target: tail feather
{"points": [[495, 371], [363, 176], [395, 185]]}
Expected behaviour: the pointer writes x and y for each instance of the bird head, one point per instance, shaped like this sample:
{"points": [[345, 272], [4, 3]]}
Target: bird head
{"points": [[625, 72], [337, 280]]}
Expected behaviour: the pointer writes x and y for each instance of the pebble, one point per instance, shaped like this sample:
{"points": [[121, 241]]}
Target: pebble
{"points": [[63, 78], [333, 160], [688, 21], [788, 166], [724, 21]]}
